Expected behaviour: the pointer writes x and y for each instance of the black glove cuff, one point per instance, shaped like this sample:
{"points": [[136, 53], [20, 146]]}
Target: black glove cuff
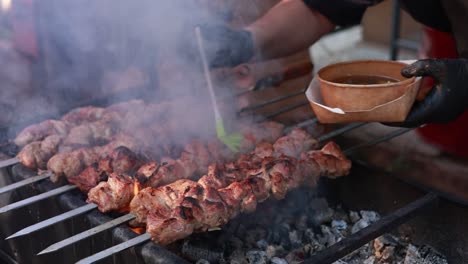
{"points": [[238, 48]]}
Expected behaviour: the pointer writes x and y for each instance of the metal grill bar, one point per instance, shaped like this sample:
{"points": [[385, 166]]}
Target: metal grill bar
{"points": [[360, 238], [339, 131], [115, 249], [284, 110], [272, 101], [308, 123], [389, 136]]}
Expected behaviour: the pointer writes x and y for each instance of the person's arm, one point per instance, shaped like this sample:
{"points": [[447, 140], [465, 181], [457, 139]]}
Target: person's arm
{"points": [[287, 28]]}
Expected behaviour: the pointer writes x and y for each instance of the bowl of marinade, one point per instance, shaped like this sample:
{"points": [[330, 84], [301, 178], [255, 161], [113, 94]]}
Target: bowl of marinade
{"points": [[362, 85]]}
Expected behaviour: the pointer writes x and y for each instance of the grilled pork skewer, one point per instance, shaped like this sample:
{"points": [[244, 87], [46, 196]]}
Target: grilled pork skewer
{"points": [[117, 192], [128, 117], [39, 131], [221, 175], [176, 210], [179, 209], [121, 160], [36, 154], [61, 127]]}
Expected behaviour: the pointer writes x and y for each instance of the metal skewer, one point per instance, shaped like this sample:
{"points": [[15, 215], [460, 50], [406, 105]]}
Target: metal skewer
{"points": [[24, 182], [376, 141], [53, 220], [37, 198], [116, 249], [85, 234], [9, 162]]}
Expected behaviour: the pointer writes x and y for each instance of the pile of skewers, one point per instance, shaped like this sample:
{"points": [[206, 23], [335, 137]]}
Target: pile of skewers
{"points": [[173, 186]]}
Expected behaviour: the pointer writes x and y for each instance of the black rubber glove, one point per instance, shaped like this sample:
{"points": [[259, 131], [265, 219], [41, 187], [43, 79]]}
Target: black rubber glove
{"points": [[448, 98], [226, 47]]}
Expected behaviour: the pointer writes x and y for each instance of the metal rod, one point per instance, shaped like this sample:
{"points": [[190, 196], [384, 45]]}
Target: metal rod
{"points": [[387, 137], [9, 162], [88, 233], [307, 123], [339, 131], [24, 182], [286, 109], [272, 101], [115, 249], [37, 198], [360, 238], [53, 220]]}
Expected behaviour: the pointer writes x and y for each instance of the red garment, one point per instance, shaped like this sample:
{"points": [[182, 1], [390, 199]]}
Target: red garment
{"points": [[450, 137]]}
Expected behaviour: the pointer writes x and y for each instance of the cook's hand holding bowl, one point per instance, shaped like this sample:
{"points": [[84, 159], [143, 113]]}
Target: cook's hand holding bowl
{"points": [[377, 95], [448, 98]]}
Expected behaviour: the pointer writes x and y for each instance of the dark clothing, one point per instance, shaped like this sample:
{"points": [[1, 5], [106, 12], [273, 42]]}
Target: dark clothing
{"points": [[443, 15]]}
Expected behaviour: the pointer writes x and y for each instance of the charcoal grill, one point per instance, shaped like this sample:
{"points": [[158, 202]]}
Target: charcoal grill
{"points": [[290, 109]]}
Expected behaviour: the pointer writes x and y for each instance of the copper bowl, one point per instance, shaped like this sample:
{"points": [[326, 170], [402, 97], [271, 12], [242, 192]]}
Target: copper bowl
{"points": [[358, 97]]}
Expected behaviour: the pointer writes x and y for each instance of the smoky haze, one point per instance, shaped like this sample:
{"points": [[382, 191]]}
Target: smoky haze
{"points": [[98, 48]]}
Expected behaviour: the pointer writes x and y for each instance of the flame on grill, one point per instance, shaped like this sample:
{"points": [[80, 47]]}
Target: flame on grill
{"points": [[136, 190], [138, 230], [136, 187]]}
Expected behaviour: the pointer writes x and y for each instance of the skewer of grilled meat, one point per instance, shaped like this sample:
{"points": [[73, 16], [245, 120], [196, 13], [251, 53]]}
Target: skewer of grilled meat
{"points": [[117, 192], [154, 137], [117, 118], [61, 127], [121, 160], [72, 163], [36, 154], [179, 209], [220, 175]]}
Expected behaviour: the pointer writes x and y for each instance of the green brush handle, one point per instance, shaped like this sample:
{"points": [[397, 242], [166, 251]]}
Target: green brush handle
{"points": [[220, 131]]}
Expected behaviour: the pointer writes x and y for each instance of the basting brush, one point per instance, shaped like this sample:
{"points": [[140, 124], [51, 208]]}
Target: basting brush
{"points": [[233, 140]]}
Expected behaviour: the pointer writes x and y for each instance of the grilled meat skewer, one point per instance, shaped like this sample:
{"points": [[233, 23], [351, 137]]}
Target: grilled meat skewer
{"points": [[36, 154], [39, 131], [61, 127], [117, 192], [177, 210], [72, 163], [130, 117], [121, 160]]}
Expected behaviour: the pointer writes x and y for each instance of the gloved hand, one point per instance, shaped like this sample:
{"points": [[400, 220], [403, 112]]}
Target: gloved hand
{"points": [[448, 98], [226, 47]]}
